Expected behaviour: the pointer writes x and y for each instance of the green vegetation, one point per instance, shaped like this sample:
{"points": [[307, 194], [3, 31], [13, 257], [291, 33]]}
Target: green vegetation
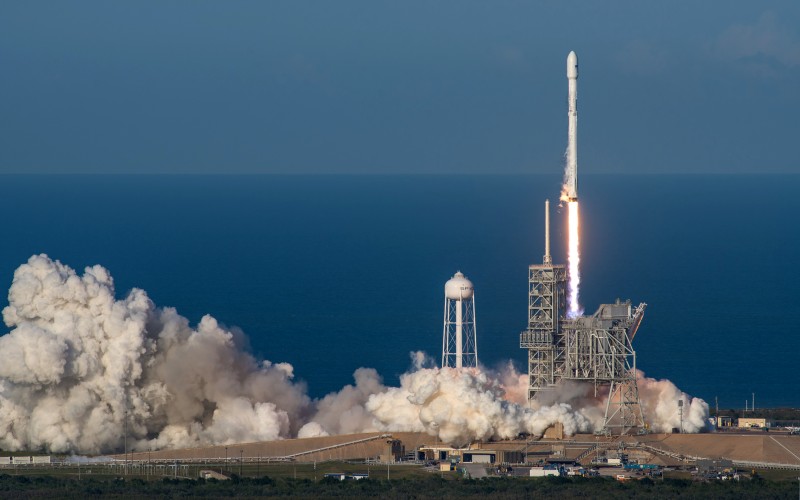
{"points": [[427, 486]]}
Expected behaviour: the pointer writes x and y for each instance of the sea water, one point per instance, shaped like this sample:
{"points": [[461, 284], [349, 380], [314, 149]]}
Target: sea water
{"points": [[332, 273]]}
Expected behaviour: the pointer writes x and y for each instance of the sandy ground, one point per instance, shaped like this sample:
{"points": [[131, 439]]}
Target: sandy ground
{"points": [[756, 447]]}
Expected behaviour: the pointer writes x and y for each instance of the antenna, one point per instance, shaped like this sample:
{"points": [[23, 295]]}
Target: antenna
{"points": [[548, 261]]}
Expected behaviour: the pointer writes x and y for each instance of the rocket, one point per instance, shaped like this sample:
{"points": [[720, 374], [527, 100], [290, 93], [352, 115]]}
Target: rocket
{"points": [[571, 175]]}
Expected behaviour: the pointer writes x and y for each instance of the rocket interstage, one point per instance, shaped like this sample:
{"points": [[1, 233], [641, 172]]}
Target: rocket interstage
{"points": [[571, 171]]}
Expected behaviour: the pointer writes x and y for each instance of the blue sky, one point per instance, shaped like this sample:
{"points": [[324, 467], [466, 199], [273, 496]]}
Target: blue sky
{"points": [[397, 87]]}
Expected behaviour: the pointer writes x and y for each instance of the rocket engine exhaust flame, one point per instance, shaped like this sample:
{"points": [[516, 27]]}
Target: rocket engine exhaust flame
{"points": [[574, 308]]}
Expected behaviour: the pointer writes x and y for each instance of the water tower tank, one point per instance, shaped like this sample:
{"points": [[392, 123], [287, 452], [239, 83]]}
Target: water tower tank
{"points": [[458, 288]]}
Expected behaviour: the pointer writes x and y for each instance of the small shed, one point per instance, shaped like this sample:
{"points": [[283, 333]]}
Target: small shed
{"points": [[758, 423]]}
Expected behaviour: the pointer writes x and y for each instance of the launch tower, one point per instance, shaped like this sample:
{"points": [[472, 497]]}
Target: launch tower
{"points": [[546, 310], [459, 342], [595, 349]]}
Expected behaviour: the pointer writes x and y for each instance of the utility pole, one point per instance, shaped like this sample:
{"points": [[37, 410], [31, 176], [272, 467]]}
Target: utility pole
{"points": [[680, 412], [126, 439], [754, 402], [226, 459]]}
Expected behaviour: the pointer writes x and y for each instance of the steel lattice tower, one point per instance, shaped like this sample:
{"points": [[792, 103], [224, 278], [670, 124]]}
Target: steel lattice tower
{"points": [[599, 349], [546, 310], [596, 348], [459, 340]]}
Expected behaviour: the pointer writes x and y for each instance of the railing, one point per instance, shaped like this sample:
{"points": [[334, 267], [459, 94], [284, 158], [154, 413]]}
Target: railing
{"points": [[672, 454], [535, 339], [765, 465]]}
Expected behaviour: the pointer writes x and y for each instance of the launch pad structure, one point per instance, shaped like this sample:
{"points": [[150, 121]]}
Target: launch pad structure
{"points": [[596, 349]]}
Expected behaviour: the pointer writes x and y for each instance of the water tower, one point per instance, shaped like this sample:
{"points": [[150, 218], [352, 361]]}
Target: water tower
{"points": [[459, 344]]}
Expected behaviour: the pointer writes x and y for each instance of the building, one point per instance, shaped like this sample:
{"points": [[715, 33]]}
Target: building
{"points": [[749, 423], [721, 421], [472, 455]]}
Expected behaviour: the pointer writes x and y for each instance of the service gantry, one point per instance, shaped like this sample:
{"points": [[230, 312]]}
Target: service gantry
{"points": [[596, 349]]}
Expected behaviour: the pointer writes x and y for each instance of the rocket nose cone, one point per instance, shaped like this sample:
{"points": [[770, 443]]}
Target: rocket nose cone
{"points": [[572, 65]]}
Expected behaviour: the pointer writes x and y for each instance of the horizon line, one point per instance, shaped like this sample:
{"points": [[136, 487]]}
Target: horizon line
{"points": [[396, 174]]}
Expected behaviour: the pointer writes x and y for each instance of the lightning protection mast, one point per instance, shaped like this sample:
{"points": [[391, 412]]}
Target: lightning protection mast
{"points": [[459, 343]]}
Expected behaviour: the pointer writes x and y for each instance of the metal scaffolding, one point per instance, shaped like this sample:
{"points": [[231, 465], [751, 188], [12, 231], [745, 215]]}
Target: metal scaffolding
{"points": [[599, 349], [596, 348], [543, 339]]}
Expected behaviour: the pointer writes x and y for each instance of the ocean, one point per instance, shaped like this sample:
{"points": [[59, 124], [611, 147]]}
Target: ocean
{"points": [[332, 273]]}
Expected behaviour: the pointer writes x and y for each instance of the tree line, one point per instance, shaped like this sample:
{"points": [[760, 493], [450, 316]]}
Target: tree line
{"points": [[433, 486]]}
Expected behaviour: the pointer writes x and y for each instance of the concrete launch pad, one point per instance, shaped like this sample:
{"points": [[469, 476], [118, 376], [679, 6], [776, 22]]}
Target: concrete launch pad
{"points": [[746, 449]]}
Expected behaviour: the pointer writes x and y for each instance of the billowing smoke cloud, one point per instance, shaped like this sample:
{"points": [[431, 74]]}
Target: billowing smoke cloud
{"points": [[658, 398], [461, 406], [79, 366], [345, 412], [660, 403]]}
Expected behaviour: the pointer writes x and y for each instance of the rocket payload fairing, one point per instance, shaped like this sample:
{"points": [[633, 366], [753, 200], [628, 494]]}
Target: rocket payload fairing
{"points": [[571, 176]]}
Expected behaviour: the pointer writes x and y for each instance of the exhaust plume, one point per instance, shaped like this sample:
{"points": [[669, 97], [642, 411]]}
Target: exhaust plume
{"points": [[463, 405], [79, 364], [574, 308], [659, 400]]}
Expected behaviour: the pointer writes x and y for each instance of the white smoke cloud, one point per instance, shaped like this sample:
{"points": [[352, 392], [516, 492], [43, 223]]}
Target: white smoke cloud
{"points": [[78, 363], [658, 399], [345, 412], [462, 405], [79, 366], [660, 405], [514, 383]]}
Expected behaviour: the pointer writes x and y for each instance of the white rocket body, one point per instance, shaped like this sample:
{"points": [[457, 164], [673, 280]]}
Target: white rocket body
{"points": [[571, 177]]}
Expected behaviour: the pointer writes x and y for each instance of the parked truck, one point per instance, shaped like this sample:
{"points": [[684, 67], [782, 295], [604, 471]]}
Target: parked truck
{"points": [[544, 471]]}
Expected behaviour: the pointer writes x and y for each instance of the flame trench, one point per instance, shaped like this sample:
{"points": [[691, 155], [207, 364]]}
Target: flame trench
{"points": [[573, 258]]}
